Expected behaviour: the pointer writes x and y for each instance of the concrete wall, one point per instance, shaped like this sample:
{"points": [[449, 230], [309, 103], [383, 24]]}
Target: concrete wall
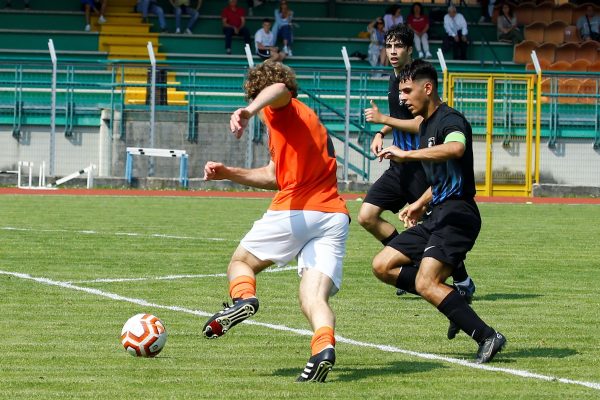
{"points": [[572, 162]]}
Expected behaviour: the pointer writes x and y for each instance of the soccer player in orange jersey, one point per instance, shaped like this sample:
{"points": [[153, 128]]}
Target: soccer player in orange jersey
{"points": [[307, 219]]}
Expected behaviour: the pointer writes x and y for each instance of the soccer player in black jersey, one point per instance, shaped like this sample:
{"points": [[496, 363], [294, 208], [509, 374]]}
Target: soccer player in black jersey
{"points": [[441, 242], [402, 183]]}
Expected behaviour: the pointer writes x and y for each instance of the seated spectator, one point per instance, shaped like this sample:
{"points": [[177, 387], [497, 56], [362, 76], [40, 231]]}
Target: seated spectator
{"points": [[151, 6], [9, 4], [456, 37], [487, 9], [264, 42], [588, 25], [508, 31], [283, 26], [183, 6], [392, 17], [92, 5], [234, 21], [377, 56], [419, 23]]}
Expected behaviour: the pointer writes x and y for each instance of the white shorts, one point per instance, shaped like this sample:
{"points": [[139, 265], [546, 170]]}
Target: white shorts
{"points": [[317, 239]]}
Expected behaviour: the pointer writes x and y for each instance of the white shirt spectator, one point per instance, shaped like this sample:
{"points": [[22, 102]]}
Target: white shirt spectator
{"points": [[453, 25], [390, 21], [264, 38]]}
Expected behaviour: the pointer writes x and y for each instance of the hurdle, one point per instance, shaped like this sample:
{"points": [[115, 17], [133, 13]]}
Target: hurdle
{"points": [[29, 168], [89, 170], [151, 152]]}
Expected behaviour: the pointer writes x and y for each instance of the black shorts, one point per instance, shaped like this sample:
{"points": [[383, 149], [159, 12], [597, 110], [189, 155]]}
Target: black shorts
{"points": [[264, 53], [447, 235], [400, 184]]}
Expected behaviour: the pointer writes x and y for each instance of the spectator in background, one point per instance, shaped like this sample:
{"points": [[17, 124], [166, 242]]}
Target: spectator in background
{"points": [[183, 6], [92, 5], [487, 9], [588, 25], [508, 31], [234, 21], [264, 42], [151, 6], [419, 23], [9, 4], [377, 56], [456, 37], [392, 17], [283, 26]]}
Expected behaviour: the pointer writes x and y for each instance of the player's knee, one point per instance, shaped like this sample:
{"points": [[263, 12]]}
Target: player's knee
{"points": [[380, 267], [366, 219], [423, 286]]}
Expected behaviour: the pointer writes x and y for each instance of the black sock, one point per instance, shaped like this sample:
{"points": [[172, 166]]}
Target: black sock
{"points": [[460, 273], [406, 279], [389, 238], [458, 311]]}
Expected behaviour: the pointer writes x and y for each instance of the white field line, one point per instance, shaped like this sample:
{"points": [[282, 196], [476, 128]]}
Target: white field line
{"points": [[131, 234], [174, 277], [304, 332]]}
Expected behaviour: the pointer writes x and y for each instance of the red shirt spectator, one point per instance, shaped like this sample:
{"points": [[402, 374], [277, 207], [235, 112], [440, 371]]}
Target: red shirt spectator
{"points": [[418, 23], [233, 15]]}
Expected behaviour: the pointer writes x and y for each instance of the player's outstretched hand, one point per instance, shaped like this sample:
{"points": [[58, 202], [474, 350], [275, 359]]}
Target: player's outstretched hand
{"points": [[377, 145], [239, 121], [214, 171], [372, 114], [392, 153], [411, 214]]}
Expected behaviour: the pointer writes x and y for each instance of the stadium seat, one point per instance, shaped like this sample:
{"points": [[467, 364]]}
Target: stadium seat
{"points": [[569, 86], [580, 65], [555, 32], [522, 52], [571, 34], [588, 50], [535, 32], [560, 66], [591, 88], [544, 65], [563, 12], [594, 67], [547, 51], [566, 52], [524, 13], [543, 13]]}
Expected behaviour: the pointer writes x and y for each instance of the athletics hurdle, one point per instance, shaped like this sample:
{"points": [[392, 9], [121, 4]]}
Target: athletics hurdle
{"points": [[181, 154], [90, 176]]}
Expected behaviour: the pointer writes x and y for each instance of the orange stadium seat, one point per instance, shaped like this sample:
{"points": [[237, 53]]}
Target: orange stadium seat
{"points": [[566, 52], [571, 34], [588, 50], [594, 67], [563, 12], [547, 51], [569, 86], [555, 32], [560, 66], [580, 65], [522, 52], [524, 13], [544, 65], [543, 13], [535, 32], [590, 87]]}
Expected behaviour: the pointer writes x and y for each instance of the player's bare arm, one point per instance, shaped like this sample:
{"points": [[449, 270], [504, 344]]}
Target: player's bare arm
{"points": [[373, 115], [262, 178], [442, 152], [276, 95]]}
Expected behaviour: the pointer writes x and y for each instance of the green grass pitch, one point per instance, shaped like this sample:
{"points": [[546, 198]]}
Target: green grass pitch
{"points": [[537, 270]]}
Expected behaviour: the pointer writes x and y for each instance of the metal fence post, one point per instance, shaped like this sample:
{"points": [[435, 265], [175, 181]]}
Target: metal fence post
{"points": [[347, 113], [52, 155], [152, 104]]}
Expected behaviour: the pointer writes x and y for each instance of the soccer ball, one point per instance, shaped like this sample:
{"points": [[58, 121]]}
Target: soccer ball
{"points": [[143, 335]]}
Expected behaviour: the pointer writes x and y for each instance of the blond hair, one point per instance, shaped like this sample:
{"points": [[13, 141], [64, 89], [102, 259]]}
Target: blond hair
{"points": [[266, 74]]}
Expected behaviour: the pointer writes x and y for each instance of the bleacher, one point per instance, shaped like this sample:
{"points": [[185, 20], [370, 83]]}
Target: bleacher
{"points": [[107, 67]]}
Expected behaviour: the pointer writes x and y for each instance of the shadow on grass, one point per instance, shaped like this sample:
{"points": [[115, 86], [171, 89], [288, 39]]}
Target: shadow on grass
{"points": [[505, 296], [347, 374], [508, 356]]}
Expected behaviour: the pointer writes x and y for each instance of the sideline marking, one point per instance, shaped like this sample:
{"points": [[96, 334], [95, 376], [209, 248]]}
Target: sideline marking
{"points": [[304, 332], [132, 234], [174, 277]]}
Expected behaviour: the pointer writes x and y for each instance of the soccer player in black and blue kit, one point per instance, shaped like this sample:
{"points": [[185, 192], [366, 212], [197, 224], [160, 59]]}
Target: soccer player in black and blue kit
{"points": [[441, 242], [402, 183]]}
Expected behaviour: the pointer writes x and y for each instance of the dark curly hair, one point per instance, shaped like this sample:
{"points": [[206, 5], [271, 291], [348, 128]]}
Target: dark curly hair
{"points": [[266, 74], [401, 33], [419, 69]]}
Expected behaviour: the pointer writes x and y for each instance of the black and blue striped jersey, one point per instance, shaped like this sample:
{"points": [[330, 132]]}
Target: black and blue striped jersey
{"points": [[452, 178], [404, 140]]}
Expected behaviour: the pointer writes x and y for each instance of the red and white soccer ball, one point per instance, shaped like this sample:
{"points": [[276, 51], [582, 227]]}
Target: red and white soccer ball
{"points": [[143, 335]]}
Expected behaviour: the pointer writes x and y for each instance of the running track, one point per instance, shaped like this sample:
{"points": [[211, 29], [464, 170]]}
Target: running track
{"points": [[266, 194]]}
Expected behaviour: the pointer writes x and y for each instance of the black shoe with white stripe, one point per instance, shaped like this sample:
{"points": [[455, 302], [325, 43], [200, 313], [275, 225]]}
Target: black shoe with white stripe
{"points": [[230, 316], [489, 347], [318, 366]]}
